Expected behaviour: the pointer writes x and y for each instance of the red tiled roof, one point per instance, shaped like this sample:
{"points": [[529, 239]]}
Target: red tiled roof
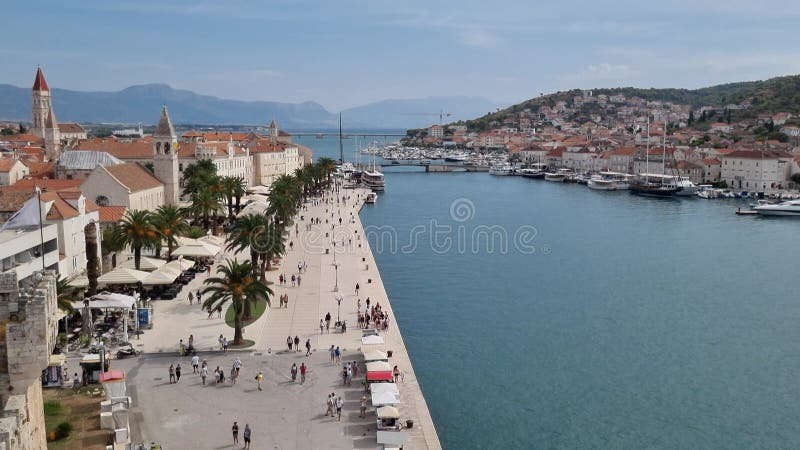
{"points": [[26, 137], [112, 214], [45, 185], [70, 128], [11, 200], [40, 169], [624, 151], [757, 154], [133, 176], [39, 84], [711, 161]]}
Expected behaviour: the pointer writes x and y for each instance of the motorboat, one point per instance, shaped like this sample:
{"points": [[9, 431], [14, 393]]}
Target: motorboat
{"points": [[687, 188], [373, 180], [654, 185], [501, 170], [561, 175], [787, 208], [456, 157], [609, 181], [372, 198], [581, 178]]}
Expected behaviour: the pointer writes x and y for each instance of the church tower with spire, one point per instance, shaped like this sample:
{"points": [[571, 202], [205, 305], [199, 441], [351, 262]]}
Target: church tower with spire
{"points": [[165, 158], [44, 119]]}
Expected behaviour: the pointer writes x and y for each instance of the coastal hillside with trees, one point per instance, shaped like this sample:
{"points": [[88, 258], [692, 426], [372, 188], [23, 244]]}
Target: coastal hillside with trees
{"points": [[744, 100]]}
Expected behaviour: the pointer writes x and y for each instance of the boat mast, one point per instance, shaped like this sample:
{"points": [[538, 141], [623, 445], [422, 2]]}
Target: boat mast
{"points": [[341, 147], [647, 151], [664, 154]]}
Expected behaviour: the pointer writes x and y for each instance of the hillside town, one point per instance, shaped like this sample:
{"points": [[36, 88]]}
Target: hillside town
{"points": [[715, 144]]}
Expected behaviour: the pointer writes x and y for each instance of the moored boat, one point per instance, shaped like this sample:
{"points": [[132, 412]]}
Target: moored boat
{"points": [[501, 170], [372, 198], [787, 208]]}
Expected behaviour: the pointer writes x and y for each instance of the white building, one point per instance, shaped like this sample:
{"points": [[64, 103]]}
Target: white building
{"points": [[20, 250], [129, 185], [11, 171], [752, 170]]}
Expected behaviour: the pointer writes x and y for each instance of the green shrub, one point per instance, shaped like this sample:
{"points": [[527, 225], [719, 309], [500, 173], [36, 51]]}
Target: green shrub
{"points": [[63, 430]]}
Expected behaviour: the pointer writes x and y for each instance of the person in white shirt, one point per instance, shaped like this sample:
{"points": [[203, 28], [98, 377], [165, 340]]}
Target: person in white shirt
{"points": [[195, 363]]}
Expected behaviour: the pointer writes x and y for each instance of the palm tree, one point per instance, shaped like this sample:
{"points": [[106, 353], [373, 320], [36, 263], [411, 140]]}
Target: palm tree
{"points": [[111, 245], [328, 166], [269, 243], [137, 232], [197, 175], [239, 189], [237, 285], [243, 236], [170, 222], [92, 262], [233, 190], [205, 204], [284, 199], [66, 294]]}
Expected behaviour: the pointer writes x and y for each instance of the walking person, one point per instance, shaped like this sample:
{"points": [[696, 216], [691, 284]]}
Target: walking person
{"points": [[303, 370], [204, 372], [333, 354], [296, 344], [246, 436], [308, 347], [329, 404], [339, 404], [320, 326], [178, 372], [293, 280], [259, 379], [195, 364], [172, 373], [235, 431], [191, 298], [328, 322], [199, 297], [225, 345], [289, 342], [219, 339], [357, 287], [363, 406], [298, 281], [338, 355], [293, 372]]}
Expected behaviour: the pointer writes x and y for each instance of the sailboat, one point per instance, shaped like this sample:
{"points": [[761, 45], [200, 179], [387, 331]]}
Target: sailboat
{"points": [[650, 184], [373, 178]]}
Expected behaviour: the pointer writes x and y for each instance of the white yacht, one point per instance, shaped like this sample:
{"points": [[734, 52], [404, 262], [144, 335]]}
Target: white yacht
{"points": [[787, 208], [373, 180], [501, 170], [562, 175], [687, 188], [610, 181]]}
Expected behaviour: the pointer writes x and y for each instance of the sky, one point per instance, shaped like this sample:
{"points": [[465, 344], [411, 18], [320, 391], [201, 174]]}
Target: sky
{"points": [[344, 53]]}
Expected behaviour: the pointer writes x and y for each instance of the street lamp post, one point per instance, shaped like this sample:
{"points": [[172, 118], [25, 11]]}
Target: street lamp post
{"points": [[339, 299], [336, 268]]}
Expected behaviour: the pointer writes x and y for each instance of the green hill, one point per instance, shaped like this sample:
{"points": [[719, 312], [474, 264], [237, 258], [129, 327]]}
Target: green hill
{"points": [[781, 94]]}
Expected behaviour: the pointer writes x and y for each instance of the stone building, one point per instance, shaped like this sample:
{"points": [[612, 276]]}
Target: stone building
{"points": [[129, 185], [45, 124], [28, 325]]}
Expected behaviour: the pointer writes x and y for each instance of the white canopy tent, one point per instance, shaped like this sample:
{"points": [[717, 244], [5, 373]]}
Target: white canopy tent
{"points": [[123, 276], [385, 394], [160, 276], [255, 198], [146, 264], [216, 241], [388, 412], [179, 265], [108, 300], [263, 190], [379, 366], [372, 340], [257, 207], [375, 355], [81, 281], [202, 250]]}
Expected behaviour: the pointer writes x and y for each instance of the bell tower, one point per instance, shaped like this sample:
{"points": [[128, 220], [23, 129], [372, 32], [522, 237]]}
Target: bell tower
{"points": [[165, 158], [44, 119]]}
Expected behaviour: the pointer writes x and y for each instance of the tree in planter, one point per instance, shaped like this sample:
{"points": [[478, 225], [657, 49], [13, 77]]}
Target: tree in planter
{"points": [[235, 284]]}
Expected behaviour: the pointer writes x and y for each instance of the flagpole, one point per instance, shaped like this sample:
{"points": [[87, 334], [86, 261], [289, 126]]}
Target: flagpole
{"points": [[41, 228]]}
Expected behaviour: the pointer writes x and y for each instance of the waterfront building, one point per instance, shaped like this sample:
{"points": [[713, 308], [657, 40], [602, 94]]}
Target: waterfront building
{"points": [[712, 170], [756, 170]]}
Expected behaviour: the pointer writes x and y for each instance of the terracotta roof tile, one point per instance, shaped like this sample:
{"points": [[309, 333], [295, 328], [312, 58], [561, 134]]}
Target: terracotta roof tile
{"points": [[6, 164], [70, 128], [112, 214], [133, 176], [11, 200], [40, 84], [45, 185], [40, 169]]}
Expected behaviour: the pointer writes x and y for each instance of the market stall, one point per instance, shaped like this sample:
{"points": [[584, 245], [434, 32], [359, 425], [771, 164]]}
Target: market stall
{"points": [[54, 374], [384, 394]]}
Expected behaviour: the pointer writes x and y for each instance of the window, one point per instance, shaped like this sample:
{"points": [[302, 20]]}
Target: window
{"points": [[102, 200]]}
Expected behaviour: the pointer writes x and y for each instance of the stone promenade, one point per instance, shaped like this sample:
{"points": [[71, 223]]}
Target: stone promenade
{"points": [[287, 415]]}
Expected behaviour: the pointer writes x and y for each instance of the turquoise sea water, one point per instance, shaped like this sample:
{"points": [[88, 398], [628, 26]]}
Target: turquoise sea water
{"points": [[607, 321]]}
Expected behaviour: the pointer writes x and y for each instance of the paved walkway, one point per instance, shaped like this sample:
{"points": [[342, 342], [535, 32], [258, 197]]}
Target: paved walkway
{"points": [[308, 303]]}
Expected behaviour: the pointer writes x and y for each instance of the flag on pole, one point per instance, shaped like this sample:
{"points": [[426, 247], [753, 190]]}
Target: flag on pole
{"points": [[28, 215]]}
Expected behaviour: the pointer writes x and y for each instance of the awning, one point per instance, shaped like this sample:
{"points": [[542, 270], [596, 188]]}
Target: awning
{"points": [[202, 249], [379, 376], [388, 412], [108, 300], [385, 394], [263, 190], [112, 375], [379, 366], [146, 264], [375, 355], [372, 340], [254, 208], [213, 240], [160, 277], [123, 276], [255, 198]]}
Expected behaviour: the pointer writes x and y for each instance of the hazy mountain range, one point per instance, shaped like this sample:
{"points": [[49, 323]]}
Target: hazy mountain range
{"points": [[142, 103]]}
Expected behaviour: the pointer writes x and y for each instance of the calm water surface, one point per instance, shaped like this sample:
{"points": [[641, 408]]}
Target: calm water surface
{"points": [[624, 323]]}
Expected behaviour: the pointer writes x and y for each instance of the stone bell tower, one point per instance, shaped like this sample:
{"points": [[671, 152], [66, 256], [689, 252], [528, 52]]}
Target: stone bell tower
{"points": [[165, 158], [45, 124]]}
